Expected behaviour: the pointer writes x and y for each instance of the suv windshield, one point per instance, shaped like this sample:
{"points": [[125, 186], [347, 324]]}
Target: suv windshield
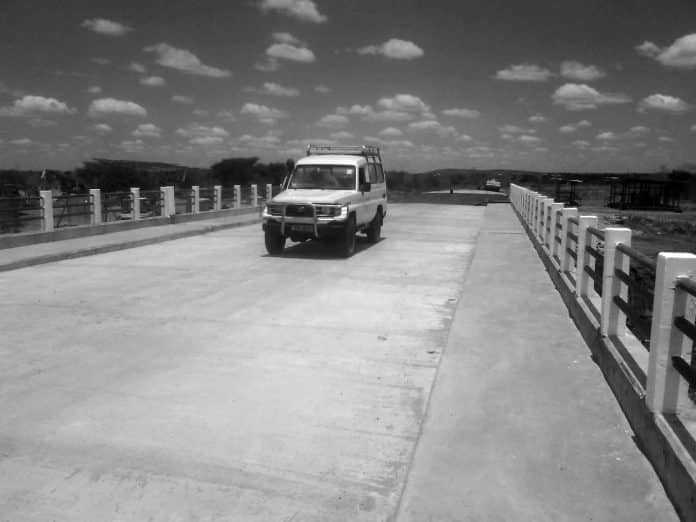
{"points": [[323, 177]]}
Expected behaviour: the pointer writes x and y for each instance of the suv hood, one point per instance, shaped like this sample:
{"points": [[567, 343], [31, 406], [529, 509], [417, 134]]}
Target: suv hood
{"points": [[314, 196]]}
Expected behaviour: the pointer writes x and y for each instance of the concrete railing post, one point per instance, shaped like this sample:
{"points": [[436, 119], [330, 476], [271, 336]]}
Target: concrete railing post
{"points": [[555, 219], [613, 320], [564, 258], [217, 196], [537, 215], [254, 195], [237, 196], [195, 199], [164, 201], [47, 206], [96, 216], [583, 258], [269, 192], [545, 209], [666, 389], [135, 203]]}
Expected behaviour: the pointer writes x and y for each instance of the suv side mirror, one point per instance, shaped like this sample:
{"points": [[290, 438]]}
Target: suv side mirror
{"points": [[365, 187]]}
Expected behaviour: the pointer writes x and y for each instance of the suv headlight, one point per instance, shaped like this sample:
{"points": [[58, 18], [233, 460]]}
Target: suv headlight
{"points": [[328, 210]]}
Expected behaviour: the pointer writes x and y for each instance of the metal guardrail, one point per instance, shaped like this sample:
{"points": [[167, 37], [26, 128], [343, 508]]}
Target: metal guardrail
{"points": [[69, 206], [151, 203], [640, 282], [19, 212], [183, 199], [117, 206], [686, 369], [206, 198]]}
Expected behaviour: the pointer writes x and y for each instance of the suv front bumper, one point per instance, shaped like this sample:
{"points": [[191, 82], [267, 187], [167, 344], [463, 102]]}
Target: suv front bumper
{"points": [[307, 226]]}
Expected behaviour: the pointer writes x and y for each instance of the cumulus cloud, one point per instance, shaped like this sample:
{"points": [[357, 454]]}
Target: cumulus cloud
{"points": [[665, 139], [266, 115], [537, 118], [94, 89], [111, 106], [524, 73], [693, 128], [20, 141], [152, 81], [136, 67], [178, 98], [201, 113], [184, 61], [462, 113], [101, 61], [202, 134], [514, 129], [395, 49], [322, 89], [433, 126], [681, 54], [275, 89], [401, 107], [32, 105], [106, 27], [147, 130], [132, 145], [526, 138], [664, 103], [103, 127], [391, 131], [581, 144], [333, 121], [632, 133], [285, 51], [287, 38], [578, 97], [267, 141], [403, 102], [342, 135], [305, 10], [573, 70], [572, 127]]}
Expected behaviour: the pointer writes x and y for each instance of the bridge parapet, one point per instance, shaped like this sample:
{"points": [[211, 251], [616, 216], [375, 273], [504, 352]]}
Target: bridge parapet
{"points": [[638, 315], [49, 211], [599, 263]]}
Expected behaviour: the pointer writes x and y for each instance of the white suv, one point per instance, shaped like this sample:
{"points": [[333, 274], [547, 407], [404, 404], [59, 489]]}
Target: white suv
{"points": [[332, 193]]}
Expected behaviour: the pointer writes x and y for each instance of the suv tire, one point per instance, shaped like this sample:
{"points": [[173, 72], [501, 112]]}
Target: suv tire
{"points": [[275, 242], [346, 245], [375, 230]]}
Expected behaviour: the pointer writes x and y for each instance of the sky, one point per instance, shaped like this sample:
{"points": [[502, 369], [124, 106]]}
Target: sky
{"points": [[562, 85]]}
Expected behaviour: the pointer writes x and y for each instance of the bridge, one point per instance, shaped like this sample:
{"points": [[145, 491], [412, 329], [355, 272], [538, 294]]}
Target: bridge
{"points": [[182, 374]]}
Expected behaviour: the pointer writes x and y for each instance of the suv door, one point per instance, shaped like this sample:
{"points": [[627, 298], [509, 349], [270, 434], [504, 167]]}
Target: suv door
{"points": [[379, 189], [363, 199]]}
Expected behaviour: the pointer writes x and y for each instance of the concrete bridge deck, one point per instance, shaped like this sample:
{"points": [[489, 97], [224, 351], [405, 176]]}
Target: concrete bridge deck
{"points": [[432, 376]]}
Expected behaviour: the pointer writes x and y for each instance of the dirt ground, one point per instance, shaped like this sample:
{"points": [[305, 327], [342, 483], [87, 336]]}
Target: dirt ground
{"points": [[653, 231]]}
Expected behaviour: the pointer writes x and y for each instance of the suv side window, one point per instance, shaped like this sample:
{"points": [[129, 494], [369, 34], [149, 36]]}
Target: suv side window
{"points": [[380, 174], [361, 176], [373, 173]]}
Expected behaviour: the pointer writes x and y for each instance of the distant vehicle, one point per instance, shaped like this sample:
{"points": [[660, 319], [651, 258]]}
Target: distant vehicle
{"points": [[492, 185], [331, 194]]}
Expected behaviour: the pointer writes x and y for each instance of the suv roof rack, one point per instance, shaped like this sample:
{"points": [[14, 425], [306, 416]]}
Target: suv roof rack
{"points": [[352, 150]]}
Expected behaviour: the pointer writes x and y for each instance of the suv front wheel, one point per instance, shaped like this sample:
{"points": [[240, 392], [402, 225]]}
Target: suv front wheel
{"points": [[346, 244], [375, 230], [275, 242]]}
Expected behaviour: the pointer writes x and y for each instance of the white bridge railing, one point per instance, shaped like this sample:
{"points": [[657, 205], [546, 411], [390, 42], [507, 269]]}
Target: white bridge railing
{"points": [[52, 211], [605, 273]]}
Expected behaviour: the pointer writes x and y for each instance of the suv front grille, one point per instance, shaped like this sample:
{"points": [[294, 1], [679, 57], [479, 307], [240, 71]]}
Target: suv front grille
{"points": [[299, 211]]}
